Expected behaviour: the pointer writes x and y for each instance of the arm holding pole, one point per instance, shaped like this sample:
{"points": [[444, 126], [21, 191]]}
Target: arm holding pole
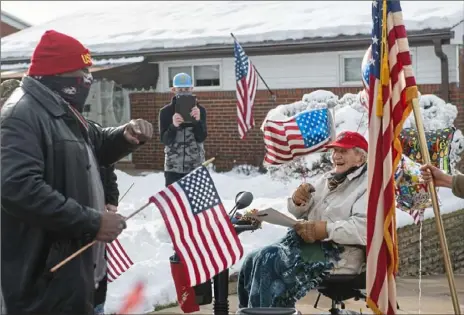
{"points": [[436, 208]]}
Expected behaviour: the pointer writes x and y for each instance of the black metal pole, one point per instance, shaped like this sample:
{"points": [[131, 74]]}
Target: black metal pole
{"points": [[259, 74], [221, 293]]}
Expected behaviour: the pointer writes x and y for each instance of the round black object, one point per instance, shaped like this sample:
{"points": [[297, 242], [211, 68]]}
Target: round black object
{"points": [[268, 311]]}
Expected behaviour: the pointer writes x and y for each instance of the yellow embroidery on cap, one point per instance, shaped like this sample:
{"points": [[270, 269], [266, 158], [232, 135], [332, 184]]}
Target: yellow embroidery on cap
{"points": [[86, 59]]}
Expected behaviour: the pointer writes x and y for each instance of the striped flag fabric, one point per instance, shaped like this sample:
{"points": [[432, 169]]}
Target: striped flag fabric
{"points": [[247, 84], [417, 215], [392, 87], [304, 133], [117, 260], [199, 227]]}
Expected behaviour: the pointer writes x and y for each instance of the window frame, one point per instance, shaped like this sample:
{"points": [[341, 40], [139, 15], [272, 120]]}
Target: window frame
{"points": [[212, 62], [360, 54], [342, 57]]}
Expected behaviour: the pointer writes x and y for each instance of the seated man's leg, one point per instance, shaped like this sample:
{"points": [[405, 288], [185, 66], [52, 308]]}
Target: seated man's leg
{"points": [[278, 275], [265, 277]]}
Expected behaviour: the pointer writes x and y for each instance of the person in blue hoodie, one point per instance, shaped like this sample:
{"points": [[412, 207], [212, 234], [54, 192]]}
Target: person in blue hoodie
{"points": [[184, 150]]}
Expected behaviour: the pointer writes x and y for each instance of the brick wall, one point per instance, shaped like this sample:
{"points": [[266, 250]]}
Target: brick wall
{"points": [[432, 257], [7, 29], [223, 142]]}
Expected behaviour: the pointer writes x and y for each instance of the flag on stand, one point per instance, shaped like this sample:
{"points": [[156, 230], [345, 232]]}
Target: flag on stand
{"points": [[199, 226], [304, 133], [247, 84], [117, 260], [392, 88]]}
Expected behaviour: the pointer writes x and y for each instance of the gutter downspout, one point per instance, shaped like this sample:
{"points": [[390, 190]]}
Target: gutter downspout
{"points": [[444, 69]]}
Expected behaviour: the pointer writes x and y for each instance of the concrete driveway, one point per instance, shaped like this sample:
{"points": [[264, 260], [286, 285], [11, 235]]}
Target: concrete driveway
{"points": [[435, 299]]}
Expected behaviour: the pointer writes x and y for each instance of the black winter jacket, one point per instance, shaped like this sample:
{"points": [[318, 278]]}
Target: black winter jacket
{"points": [[45, 198]]}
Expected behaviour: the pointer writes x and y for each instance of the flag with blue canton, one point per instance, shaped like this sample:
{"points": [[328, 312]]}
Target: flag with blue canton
{"points": [[247, 84], [392, 89], [202, 234], [304, 133]]}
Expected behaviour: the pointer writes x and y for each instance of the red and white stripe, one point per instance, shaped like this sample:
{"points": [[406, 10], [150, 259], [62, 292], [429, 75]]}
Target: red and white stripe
{"points": [[417, 215], [117, 259], [246, 92], [284, 142], [206, 241], [383, 157]]}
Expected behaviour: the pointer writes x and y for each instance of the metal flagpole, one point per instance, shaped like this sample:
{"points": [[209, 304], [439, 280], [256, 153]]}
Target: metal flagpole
{"points": [[436, 208], [259, 74]]}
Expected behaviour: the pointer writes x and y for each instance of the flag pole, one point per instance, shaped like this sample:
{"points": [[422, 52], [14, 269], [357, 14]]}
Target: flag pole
{"points": [[436, 208], [259, 74]]}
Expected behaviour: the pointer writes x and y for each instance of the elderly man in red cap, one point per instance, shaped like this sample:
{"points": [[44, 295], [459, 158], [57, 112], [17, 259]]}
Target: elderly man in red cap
{"points": [[328, 238], [52, 197]]}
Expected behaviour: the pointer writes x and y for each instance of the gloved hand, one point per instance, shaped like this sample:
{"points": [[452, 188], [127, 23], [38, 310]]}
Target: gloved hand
{"points": [[302, 194], [311, 231]]}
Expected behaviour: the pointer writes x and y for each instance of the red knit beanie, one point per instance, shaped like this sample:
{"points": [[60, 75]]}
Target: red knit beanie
{"points": [[58, 53]]}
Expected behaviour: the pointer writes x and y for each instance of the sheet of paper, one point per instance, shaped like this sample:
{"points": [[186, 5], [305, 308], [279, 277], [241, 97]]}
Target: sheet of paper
{"points": [[273, 216]]}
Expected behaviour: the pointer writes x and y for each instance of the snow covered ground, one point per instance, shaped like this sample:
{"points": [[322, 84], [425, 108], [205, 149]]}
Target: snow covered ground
{"points": [[147, 241]]}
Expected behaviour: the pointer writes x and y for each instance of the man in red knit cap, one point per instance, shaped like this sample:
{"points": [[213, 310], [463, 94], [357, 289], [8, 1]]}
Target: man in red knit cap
{"points": [[52, 197]]}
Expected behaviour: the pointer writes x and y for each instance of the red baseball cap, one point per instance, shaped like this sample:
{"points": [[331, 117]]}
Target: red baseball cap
{"points": [[348, 140]]}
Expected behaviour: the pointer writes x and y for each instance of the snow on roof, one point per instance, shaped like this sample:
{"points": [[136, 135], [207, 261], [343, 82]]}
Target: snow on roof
{"points": [[14, 21], [136, 25], [95, 62]]}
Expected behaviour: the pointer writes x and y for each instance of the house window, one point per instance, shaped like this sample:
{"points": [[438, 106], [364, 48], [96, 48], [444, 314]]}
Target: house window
{"points": [[202, 75], [352, 69]]}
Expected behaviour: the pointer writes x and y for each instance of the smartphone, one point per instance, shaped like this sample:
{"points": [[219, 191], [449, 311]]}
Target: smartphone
{"points": [[184, 105]]}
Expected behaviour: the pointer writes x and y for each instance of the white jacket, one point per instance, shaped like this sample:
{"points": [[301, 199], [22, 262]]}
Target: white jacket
{"points": [[345, 210]]}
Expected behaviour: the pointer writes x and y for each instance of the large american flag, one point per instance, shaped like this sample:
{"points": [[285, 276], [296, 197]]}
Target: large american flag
{"points": [[304, 133], [392, 87], [247, 83], [198, 225], [117, 260]]}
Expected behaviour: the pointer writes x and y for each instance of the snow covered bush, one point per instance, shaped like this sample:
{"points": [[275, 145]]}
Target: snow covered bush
{"points": [[351, 115]]}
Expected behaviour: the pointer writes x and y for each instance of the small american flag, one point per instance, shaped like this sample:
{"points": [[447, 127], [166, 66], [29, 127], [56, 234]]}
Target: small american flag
{"points": [[392, 87], [200, 229], [304, 133], [117, 260], [417, 215], [247, 83]]}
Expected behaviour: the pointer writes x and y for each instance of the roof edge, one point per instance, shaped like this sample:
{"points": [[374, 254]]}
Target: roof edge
{"points": [[342, 42], [14, 21]]}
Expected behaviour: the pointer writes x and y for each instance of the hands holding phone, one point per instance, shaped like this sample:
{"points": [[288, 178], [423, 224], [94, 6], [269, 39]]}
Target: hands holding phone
{"points": [[177, 118]]}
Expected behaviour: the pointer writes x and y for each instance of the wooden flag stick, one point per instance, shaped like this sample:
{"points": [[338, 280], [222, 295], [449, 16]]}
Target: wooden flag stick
{"points": [[81, 250], [436, 208], [64, 262]]}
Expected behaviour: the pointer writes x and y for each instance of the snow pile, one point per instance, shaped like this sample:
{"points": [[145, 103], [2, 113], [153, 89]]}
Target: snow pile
{"points": [[351, 115], [147, 242], [145, 25]]}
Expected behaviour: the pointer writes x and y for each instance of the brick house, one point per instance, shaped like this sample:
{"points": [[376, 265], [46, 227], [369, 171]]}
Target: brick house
{"points": [[291, 67], [11, 24]]}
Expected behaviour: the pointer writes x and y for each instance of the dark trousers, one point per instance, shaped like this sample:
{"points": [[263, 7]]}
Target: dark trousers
{"points": [[100, 292], [172, 177]]}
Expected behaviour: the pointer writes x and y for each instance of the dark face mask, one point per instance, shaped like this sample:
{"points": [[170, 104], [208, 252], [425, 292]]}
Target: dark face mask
{"points": [[74, 90]]}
